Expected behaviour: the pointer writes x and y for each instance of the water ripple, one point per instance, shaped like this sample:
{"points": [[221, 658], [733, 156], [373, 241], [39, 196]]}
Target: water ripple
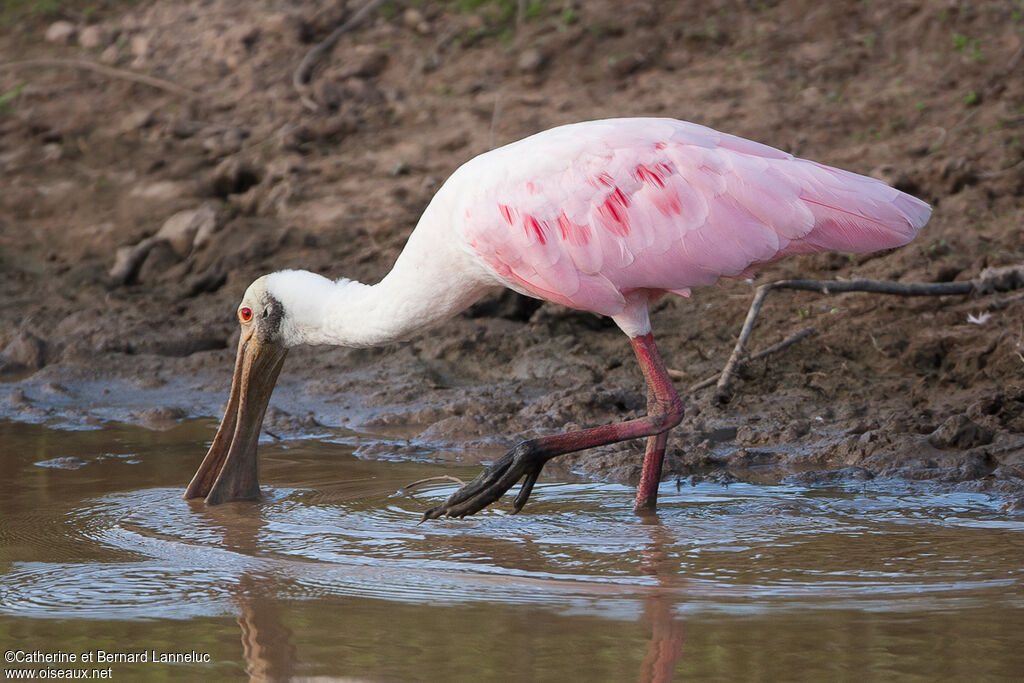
{"points": [[579, 547]]}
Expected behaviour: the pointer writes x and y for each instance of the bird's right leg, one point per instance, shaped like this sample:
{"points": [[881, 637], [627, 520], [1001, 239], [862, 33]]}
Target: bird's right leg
{"points": [[664, 411]]}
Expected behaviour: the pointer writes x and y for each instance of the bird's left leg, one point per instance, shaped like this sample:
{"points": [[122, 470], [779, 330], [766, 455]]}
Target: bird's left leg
{"points": [[650, 475], [664, 411]]}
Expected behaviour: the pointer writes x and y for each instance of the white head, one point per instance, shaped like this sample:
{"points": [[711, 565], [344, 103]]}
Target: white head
{"points": [[278, 311], [287, 307]]}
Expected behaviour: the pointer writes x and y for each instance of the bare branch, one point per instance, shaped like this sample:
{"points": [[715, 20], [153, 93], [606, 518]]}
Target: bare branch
{"points": [[763, 353], [108, 71], [304, 73], [408, 488], [991, 279]]}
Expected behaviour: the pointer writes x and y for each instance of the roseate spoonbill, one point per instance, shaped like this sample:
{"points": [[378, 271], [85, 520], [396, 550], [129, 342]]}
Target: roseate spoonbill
{"points": [[604, 216]]}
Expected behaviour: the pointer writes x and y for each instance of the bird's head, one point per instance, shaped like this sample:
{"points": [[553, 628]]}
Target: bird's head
{"points": [[276, 313]]}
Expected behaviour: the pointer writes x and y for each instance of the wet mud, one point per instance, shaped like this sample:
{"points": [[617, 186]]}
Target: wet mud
{"points": [[133, 218]]}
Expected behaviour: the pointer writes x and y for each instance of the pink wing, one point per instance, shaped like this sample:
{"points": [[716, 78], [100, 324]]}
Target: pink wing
{"points": [[587, 214]]}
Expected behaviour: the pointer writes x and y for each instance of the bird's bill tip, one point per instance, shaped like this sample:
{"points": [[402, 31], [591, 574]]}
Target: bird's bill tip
{"points": [[229, 470]]}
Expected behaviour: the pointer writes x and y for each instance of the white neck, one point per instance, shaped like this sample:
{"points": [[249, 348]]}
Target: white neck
{"points": [[418, 293]]}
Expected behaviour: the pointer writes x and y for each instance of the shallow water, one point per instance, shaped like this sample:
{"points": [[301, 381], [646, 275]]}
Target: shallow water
{"points": [[331, 575]]}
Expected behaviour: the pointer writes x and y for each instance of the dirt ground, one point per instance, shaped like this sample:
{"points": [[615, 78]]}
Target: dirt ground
{"points": [[926, 95]]}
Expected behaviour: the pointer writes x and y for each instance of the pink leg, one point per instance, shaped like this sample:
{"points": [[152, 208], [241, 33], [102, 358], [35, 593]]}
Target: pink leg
{"points": [[664, 411], [650, 476]]}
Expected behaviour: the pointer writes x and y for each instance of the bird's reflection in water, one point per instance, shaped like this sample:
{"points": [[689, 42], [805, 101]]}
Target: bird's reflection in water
{"points": [[267, 646], [267, 643], [667, 632]]}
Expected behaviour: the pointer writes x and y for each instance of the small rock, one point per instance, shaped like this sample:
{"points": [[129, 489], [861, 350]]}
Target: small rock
{"points": [[93, 37], [16, 398], [60, 32], [188, 230], [412, 17], [746, 434], [25, 352], [111, 55], [796, 429], [141, 118], [139, 46], [177, 237], [161, 418], [233, 176], [960, 432], [415, 20], [531, 60]]}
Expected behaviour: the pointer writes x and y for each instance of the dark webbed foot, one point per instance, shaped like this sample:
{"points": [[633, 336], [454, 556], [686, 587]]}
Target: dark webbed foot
{"points": [[522, 461]]}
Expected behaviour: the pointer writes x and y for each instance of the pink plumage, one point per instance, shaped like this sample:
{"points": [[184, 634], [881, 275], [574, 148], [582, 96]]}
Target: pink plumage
{"points": [[593, 214], [604, 216]]}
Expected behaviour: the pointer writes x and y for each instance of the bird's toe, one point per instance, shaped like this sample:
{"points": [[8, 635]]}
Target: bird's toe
{"points": [[490, 485]]}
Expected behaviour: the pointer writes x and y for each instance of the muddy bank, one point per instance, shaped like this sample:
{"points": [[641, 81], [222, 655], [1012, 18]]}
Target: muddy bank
{"points": [[133, 218]]}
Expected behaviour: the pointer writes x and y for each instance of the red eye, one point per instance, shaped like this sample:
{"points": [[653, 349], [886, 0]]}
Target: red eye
{"points": [[245, 314]]}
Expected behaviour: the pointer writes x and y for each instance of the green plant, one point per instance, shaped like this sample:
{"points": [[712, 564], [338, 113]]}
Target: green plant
{"points": [[7, 99], [12, 11], [504, 9], [971, 46]]}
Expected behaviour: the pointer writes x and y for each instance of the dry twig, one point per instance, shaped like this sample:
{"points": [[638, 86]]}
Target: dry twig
{"points": [[991, 279], [763, 353], [407, 489], [304, 73], [108, 71], [678, 375]]}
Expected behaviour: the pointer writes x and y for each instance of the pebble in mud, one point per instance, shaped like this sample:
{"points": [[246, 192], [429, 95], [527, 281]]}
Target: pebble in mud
{"points": [[163, 417], [60, 32], [962, 433], [17, 403], [93, 37], [26, 352]]}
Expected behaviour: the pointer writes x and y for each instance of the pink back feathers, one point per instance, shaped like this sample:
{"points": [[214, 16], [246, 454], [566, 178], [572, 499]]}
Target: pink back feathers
{"points": [[588, 214]]}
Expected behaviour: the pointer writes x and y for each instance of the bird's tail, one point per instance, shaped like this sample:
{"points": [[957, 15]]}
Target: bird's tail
{"points": [[854, 213]]}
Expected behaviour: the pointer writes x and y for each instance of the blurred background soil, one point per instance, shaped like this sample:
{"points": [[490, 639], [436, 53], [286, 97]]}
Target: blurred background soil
{"points": [[133, 215]]}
